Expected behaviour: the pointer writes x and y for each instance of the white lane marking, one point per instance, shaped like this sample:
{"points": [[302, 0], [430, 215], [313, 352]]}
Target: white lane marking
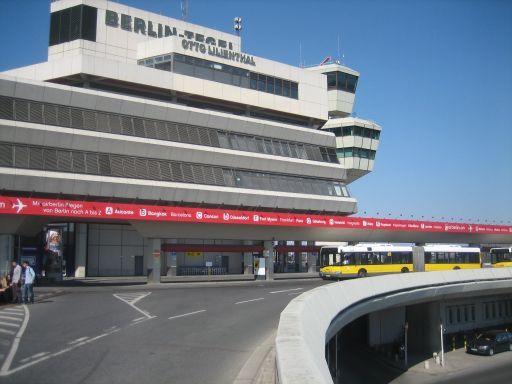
{"points": [[19, 310], [78, 340], [37, 355], [248, 301], [187, 314], [62, 351], [9, 324], [8, 331], [287, 290], [131, 303], [15, 344], [11, 318], [139, 319], [294, 293]]}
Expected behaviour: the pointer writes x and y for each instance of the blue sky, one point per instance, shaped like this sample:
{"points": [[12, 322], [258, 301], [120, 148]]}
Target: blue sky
{"points": [[436, 75]]}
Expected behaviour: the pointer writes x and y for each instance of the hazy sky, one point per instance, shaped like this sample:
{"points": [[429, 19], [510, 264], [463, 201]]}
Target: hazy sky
{"points": [[436, 75]]}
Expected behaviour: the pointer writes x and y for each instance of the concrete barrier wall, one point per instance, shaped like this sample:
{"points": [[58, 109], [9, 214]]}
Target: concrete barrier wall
{"points": [[312, 318]]}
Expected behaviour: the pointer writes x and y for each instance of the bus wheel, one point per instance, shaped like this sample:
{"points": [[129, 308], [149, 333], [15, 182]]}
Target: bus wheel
{"points": [[456, 268], [361, 273], [404, 270]]}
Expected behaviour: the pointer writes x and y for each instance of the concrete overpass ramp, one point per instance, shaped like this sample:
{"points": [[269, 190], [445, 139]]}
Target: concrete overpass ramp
{"points": [[311, 320]]}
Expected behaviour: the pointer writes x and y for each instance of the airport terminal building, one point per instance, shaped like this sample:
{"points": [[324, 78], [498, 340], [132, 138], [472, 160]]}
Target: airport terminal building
{"points": [[136, 107]]}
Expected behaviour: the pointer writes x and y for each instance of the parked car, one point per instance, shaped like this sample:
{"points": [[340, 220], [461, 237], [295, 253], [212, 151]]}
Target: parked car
{"points": [[491, 342]]}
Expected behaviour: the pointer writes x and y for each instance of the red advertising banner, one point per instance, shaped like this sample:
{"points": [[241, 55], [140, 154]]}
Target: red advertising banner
{"points": [[99, 210]]}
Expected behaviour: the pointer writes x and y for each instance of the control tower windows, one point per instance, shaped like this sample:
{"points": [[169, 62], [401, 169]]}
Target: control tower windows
{"points": [[362, 153], [353, 130], [341, 81]]}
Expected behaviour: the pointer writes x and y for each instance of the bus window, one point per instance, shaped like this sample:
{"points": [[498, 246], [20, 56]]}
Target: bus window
{"points": [[428, 257], [348, 258], [473, 258]]}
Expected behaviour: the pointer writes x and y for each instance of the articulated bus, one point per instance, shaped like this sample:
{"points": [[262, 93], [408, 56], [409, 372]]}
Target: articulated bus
{"points": [[375, 259], [501, 257]]}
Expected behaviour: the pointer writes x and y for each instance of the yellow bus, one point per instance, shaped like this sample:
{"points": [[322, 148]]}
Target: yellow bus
{"points": [[501, 257], [360, 260]]}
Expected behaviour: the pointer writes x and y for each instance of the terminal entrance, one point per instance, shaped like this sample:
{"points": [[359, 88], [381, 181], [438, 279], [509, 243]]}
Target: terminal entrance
{"points": [[60, 250]]}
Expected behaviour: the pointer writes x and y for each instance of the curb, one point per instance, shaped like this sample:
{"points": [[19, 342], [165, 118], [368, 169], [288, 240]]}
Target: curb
{"points": [[260, 368]]}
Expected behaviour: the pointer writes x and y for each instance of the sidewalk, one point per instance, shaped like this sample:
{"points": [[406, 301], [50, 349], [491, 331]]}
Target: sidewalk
{"points": [[139, 280], [456, 362]]}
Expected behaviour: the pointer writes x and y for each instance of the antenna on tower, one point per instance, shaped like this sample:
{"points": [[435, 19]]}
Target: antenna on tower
{"points": [[184, 9], [339, 57], [301, 64], [237, 25]]}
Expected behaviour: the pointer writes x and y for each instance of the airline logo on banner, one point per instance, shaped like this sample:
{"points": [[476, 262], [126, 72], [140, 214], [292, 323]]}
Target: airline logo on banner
{"points": [[98, 210]]}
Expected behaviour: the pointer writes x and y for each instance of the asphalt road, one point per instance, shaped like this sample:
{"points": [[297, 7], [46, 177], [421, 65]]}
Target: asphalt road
{"points": [[195, 333]]}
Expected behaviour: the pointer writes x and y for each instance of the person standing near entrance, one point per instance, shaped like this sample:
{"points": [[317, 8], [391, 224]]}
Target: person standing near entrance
{"points": [[16, 282], [28, 286]]}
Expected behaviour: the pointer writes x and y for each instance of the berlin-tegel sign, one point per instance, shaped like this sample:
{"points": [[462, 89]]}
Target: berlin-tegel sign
{"points": [[13, 205]]}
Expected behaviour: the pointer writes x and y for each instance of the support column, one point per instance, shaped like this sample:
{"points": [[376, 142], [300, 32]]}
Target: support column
{"points": [[298, 257], [80, 249], [153, 254], [6, 253], [268, 254], [312, 258], [248, 260], [418, 257]]}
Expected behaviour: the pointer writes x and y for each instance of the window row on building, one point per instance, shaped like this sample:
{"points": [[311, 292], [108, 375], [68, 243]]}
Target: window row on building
{"points": [[73, 23], [355, 130], [222, 73], [362, 153], [460, 314], [490, 310], [497, 309], [341, 81], [104, 164], [50, 114]]}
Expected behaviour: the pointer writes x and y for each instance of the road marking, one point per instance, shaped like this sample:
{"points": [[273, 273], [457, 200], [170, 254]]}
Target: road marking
{"points": [[19, 310], [78, 340], [139, 319], [10, 318], [37, 355], [248, 301], [8, 331], [9, 324], [7, 372], [287, 290], [15, 344], [187, 314], [132, 298], [294, 293]]}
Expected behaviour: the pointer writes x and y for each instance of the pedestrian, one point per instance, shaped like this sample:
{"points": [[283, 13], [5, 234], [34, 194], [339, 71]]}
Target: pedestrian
{"points": [[28, 285], [16, 282]]}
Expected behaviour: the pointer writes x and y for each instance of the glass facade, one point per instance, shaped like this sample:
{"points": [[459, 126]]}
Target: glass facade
{"points": [[362, 153], [73, 23], [355, 130], [129, 167], [222, 73], [63, 116], [341, 81]]}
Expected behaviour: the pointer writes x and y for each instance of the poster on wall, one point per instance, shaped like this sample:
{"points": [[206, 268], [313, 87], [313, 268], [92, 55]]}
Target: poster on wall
{"points": [[53, 263]]}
